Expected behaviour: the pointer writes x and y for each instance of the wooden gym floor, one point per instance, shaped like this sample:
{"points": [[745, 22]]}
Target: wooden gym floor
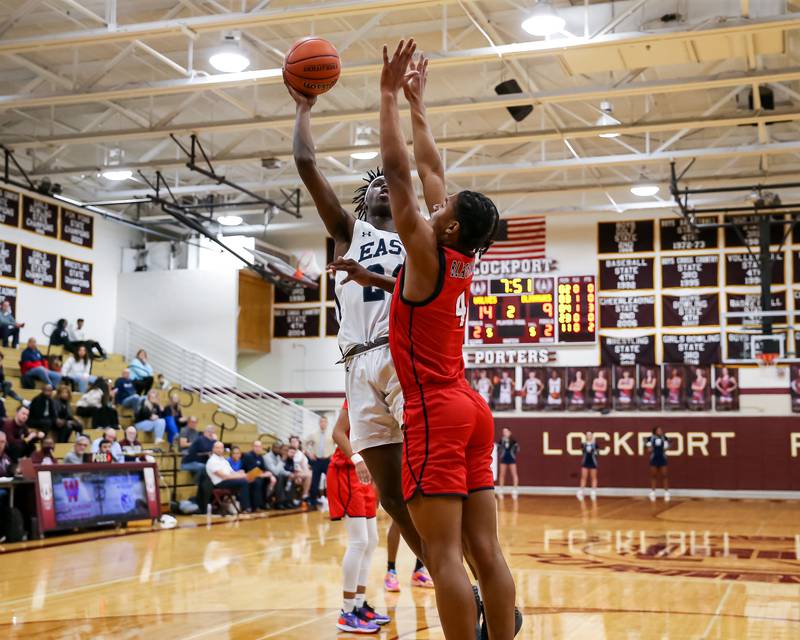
{"points": [[624, 569]]}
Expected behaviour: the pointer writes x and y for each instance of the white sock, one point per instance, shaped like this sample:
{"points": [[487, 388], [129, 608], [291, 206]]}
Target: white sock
{"points": [[360, 598], [348, 604]]}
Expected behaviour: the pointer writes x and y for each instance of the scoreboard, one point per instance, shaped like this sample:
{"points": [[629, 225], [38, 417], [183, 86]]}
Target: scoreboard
{"points": [[529, 310]]}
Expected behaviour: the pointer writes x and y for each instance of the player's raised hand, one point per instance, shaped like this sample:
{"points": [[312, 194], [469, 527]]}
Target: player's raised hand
{"points": [[395, 68], [354, 270], [415, 79], [301, 99]]}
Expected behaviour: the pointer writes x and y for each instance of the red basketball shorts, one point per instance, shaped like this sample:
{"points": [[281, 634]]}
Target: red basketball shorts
{"points": [[449, 433], [347, 496]]}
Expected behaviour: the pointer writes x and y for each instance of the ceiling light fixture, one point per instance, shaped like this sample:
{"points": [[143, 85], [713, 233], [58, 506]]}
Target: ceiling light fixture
{"points": [[644, 188], [230, 221], [230, 58], [362, 140], [117, 175], [607, 120], [543, 20]]}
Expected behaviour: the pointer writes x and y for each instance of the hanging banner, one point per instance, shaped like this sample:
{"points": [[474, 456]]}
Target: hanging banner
{"points": [[77, 228], [555, 388], [627, 351], [9, 208], [678, 235], [698, 388], [578, 397], [630, 236], [8, 259], [747, 234], [726, 389], [76, 276], [740, 345], [695, 349], [675, 392], [600, 390], [38, 267], [794, 387], [751, 302], [331, 322], [625, 388], [796, 263], [685, 272], [296, 323], [297, 294], [627, 312], [743, 269], [10, 294], [626, 274], [39, 217], [649, 388], [693, 310]]}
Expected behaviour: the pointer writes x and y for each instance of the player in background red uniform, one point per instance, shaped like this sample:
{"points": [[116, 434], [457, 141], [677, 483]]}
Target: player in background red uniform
{"points": [[447, 477]]}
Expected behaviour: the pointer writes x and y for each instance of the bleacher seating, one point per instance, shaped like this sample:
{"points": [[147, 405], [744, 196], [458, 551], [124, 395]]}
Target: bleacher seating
{"points": [[234, 433]]}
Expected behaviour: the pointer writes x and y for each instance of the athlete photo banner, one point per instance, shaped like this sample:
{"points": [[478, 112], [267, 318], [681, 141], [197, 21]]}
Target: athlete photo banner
{"points": [[698, 388], [495, 385], [8, 259], [674, 376], [10, 294], [626, 274], [631, 236], [601, 387], [555, 388], [678, 235], [744, 269], [687, 272], [627, 351], [649, 388], [694, 349], [9, 208], [794, 387], [693, 310], [39, 217], [747, 234], [751, 302], [625, 388], [578, 393], [77, 228], [726, 388], [533, 385], [38, 267], [76, 276], [627, 312]]}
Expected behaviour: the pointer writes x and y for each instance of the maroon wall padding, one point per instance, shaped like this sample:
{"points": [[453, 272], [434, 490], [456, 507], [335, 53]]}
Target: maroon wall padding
{"points": [[758, 456]]}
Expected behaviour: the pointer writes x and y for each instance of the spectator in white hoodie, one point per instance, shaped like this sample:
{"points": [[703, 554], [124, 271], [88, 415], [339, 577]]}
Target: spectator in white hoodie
{"points": [[77, 370]]}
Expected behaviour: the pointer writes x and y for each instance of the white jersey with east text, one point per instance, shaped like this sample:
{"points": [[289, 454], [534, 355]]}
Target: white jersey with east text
{"points": [[363, 312]]}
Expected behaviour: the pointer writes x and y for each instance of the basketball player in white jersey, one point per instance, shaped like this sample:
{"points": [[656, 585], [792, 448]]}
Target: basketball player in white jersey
{"points": [[506, 390], [533, 388], [484, 386]]}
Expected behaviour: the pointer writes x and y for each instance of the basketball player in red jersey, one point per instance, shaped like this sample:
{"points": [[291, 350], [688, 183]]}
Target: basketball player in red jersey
{"points": [[447, 475]]}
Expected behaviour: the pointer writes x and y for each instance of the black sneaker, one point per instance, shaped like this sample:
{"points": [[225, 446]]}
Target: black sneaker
{"points": [[483, 632]]}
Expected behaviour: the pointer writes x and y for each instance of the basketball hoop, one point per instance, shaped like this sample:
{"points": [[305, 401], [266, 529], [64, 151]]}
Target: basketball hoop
{"points": [[766, 359]]}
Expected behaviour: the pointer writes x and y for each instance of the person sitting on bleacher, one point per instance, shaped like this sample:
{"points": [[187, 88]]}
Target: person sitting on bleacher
{"points": [[8, 466], [60, 335], [147, 416], [104, 454], [199, 451], [76, 455], [261, 488], [33, 366], [173, 416], [65, 421], [9, 327], [188, 435], [45, 454], [224, 477], [43, 414], [276, 466], [21, 439], [141, 372], [96, 404], [6, 388], [110, 436], [235, 458], [124, 392], [77, 370], [77, 337], [132, 448]]}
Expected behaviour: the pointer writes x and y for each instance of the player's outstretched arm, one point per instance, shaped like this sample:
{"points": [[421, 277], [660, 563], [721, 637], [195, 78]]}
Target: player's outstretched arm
{"points": [[356, 272], [429, 163], [417, 235], [338, 222]]}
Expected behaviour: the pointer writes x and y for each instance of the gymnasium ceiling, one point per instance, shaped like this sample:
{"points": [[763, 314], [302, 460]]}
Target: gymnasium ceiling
{"points": [[82, 79]]}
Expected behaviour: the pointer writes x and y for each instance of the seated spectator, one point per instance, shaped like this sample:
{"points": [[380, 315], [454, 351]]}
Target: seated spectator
{"points": [[319, 449], [65, 421], [6, 388], [261, 488], [235, 458], [9, 327], [161, 382], [224, 477], [141, 372], [297, 465], [8, 467], [110, 436], [46, 453], [60, 336], [104, 453], [125, 392], [147, 416], [96, 404], [77, 370], [54, 363], [43, 414], [188, 435], [75, 456], [274, 462], [198, 453], [21, 439], [173, 416], [33, 366], [132, 448], [77, 338]]}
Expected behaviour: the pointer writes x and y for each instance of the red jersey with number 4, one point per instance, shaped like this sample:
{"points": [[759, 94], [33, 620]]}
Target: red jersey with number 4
{"points": [[426, 338]]}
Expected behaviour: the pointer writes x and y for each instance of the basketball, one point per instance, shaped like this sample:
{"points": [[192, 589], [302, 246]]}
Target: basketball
{"points": [[312, 66]]}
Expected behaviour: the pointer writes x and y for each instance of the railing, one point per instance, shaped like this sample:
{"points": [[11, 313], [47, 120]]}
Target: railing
{"points": [[248, 401]]}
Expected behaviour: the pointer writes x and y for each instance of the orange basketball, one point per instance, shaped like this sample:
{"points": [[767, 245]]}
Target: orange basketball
{"points": [[312, 66]]}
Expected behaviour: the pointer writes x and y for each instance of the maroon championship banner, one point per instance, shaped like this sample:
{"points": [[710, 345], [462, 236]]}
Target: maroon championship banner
{"points": [[627, 312], [331, 322], [744, 269], [692, 348], [721, 452], [9, 208], [8, 259], [740, 344], [38, 267], [684, 272], [10, 294], [747, 234], [627, 351], [751, 302], [39, 217], [796, 264], [678, 235], [77, 228], [693, 310], [626, 274], [76, 276], [630, 236], [296, 323]]}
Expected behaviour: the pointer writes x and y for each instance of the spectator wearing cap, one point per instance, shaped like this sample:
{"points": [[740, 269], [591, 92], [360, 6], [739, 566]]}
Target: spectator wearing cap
{"points": [[82, 446], [125, 392], [224, 477], [110, 436], [9, 327], [34, 366], [21, 439], [141, 372]]}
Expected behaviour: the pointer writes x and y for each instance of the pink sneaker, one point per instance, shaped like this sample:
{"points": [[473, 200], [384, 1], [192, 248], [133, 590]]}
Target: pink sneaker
{"points": [[390, 582], [422, 579]]}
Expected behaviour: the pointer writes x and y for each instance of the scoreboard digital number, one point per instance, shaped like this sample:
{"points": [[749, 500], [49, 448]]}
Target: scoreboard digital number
{"points": [[512, 311], [577, 309]]}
